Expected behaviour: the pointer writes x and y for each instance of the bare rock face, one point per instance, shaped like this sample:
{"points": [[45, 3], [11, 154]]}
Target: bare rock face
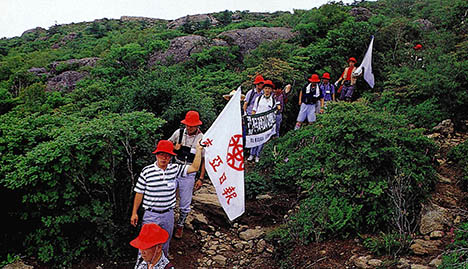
{"points": [[423, 247], [91, 61], [425, 25], [250, 38], [36, 30], [65, 82], [360, 13], [193, 19], [434, 218], [69, 37], [182, 47], [445, 128]]}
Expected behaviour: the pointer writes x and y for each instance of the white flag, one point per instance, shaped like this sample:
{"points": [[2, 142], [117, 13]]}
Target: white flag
{"points": [[224, 157], [367, 66]]}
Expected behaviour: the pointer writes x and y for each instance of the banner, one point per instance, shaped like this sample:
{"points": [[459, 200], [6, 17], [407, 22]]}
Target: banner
{"points": [[366, 65], [224, 157], [259, 128]]}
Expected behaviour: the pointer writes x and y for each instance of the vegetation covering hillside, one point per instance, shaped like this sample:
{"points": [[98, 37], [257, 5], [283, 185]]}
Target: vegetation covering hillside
{"points": [[72, 151]]}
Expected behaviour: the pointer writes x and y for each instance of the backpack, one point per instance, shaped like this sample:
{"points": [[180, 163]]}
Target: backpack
{"points": [[183, 154]]}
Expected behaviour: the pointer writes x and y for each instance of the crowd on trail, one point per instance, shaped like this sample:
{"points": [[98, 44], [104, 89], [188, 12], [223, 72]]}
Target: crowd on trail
{"points": [[179, 159]]}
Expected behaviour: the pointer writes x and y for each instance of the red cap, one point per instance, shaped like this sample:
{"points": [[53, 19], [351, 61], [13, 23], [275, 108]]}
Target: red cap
{"points": [[192, 118], [352, 59], [418, 47], [150, 235], [314, 78], [269, 83], [258, 79], [165, 146], [326, 75]]}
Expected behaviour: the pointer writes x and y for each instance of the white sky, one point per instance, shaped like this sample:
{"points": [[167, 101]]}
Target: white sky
{"points": [[17, 16]]}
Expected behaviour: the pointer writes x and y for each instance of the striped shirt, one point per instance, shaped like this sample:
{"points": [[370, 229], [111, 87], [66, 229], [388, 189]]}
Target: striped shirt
{"points": [[159, 186]]}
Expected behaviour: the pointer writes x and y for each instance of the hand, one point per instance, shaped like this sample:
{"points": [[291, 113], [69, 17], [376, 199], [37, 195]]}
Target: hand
{"points": [[322, 110], [198, 184], [134, 220], [287, 89], [300, 103], [336, 83], [177, 146], [199, 145]]}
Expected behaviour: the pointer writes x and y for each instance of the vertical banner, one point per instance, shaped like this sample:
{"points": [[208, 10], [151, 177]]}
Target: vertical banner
{"points": [[224, 157], [367, 65]]}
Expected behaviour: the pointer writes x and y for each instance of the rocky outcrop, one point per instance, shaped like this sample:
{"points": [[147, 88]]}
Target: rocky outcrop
{"points": [[200, 18], [65, 82], [74, 63], [69, 37], [36, 30], [182, 47], [434, 218], [150, 21], [360, 13], [250, 38], [426, 25]]}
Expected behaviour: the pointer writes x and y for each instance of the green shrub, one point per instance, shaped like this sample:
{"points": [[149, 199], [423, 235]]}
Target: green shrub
{"points": [[459, 155], [387, 244], [457, 254]]}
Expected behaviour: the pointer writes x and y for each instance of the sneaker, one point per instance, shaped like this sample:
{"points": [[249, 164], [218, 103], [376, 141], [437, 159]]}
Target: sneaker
{"points": [[257, 159], [179, 232], [251, 157]]}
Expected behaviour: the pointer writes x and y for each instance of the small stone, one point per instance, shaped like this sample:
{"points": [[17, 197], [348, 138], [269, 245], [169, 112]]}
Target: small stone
{"points": [[436, 234], [221, 260], [261, 246], [419, 266], [217, 234], [264, 197], [322, 252], [457, 220], [374, 262], [361, 262], [436, 262]]}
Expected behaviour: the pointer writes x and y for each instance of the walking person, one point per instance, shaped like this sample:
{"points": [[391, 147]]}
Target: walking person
{"points": [[149, 243], [263, 103], [156, 187], [328, 89], [280, 96], [252, 94], [185, 140], [310, 102], [348, 81]]}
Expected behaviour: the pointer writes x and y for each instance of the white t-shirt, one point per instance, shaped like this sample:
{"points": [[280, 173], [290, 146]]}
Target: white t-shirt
{"points": [[263, 104]]}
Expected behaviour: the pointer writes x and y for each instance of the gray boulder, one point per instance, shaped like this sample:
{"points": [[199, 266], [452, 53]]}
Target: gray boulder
{"points": [[193, 19], [65, 82], [360, 13]]}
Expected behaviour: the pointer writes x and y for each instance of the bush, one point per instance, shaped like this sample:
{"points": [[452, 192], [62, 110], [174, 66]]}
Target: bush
{"points": [[459, 155], [387, 244], [352, 154], [457, 254]]}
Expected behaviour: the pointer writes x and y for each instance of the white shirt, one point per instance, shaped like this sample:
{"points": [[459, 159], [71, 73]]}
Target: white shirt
{"points": [[263, 104]]}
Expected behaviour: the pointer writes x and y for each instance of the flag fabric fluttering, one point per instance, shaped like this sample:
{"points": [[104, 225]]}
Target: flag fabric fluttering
{"points": [[366, 66], [224, 157]]}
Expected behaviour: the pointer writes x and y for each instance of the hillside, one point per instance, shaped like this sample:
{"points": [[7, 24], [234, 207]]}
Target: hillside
{"points": [[83, 105]]}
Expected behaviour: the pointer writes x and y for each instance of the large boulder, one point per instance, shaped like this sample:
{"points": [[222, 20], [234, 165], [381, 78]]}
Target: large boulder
{"points": [[65, 82], [434, 218], [250, 38], [182, 47], [74, 63], [200, 18], [360, 13]]}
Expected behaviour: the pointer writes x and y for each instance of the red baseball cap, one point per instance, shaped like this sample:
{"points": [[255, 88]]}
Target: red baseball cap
{"points": [[418, 47], [314, 78], [150, 235], [258, 79], [326, 75], [352, 59], [165, 146], [192, 118], [268, 83]]}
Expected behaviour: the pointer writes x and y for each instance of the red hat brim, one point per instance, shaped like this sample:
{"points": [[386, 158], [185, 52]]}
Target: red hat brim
{"points": [[165, 151], [313, 80], [145, 243], [191, 123]]}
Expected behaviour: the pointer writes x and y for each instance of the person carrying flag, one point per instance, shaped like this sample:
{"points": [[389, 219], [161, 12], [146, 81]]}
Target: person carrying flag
{"points": [[348, 81]]}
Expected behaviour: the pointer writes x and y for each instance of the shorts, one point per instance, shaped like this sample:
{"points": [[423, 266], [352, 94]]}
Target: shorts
{"points": [[307, 111]]}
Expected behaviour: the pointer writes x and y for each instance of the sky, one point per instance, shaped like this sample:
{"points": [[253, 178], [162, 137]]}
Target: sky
{"points": [[17, 16]]}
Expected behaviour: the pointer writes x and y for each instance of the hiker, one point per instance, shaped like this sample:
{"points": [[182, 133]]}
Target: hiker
{"points": [[185, 140], [328, 89], [252, 95], [280, 96], [156, 188], [348, 81], [263, 103], [310, 101], [149, 242]]}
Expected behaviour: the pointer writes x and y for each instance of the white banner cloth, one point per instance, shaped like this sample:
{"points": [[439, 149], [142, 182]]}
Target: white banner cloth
{"points": [[224, 157], [366, 65]]}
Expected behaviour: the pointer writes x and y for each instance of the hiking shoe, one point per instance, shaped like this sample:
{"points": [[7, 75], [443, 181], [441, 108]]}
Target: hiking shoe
{"points": [[179, 232], [250, 158], [257, 159]]}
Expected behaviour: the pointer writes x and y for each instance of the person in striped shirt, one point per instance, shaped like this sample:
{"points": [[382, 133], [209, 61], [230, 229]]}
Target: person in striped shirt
{"points": [[156, 187]]}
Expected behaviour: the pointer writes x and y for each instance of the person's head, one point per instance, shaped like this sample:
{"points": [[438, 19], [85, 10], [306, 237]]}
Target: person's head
{"points": [[352, 61], [314, 79], [325, 78], [150, 241], [259, 82], [268, 87], [164, 152], [191, 122]]}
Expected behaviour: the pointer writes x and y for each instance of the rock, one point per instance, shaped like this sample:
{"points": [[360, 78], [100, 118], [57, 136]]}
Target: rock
{"points": [[39, 71], [250, 38], [18, 265], [443, 179], [181, 48], [264, 197], [221, 260], [69, 37], [74, 63], [360, 13], [261, 245], [445, 128], [434, 218], [403, 263], [423, 247], [419, 266], [65, 82], [149, 21], [436, 262], [436, 234], [36, 30], [425, 25], [193, 19], [374, 262], [251, 234], [206, 200], [361, 262]]}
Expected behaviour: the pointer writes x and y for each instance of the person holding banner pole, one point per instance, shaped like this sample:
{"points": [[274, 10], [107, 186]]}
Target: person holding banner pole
{"points": [[263, 103], [280, 96], [310, 102], [185, 140], [156, 188]]}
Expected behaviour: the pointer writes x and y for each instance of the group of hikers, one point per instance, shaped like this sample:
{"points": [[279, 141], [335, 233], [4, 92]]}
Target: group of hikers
{"points": [[179, 159]]}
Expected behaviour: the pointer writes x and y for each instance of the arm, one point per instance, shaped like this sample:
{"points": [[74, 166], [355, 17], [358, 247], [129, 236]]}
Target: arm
{"points": [[199, 182], [321, 105], [136, 204], [197, 160], [300, 98]]}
